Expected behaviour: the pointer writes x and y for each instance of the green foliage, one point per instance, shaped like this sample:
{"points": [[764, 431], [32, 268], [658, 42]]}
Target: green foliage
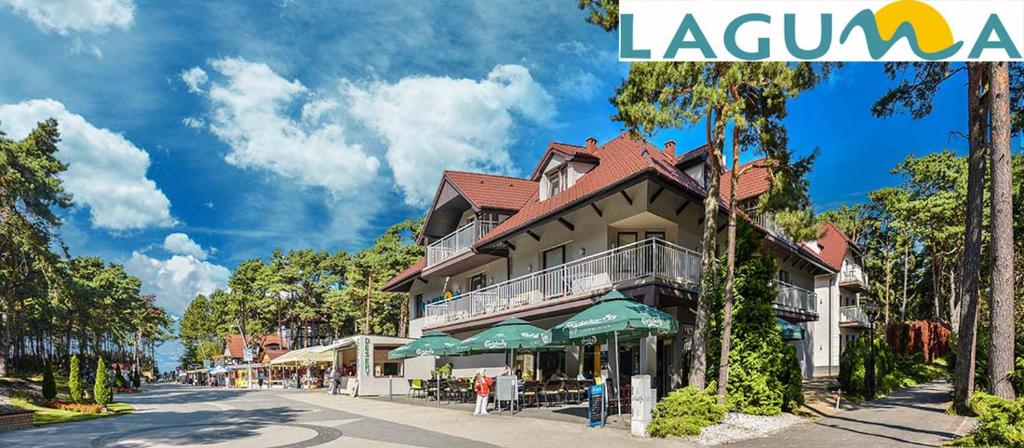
{"points": [[49, 383], [853, 368], [684, 412], [764, 373], [101, 392], [1000, 422], [75, 381], [445, 371], [119, 381]]}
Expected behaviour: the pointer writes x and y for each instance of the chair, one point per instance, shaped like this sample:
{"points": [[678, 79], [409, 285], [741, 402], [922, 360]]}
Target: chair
{"points": [[531, 392], [551, 393], [416, 388], [573, 392]]}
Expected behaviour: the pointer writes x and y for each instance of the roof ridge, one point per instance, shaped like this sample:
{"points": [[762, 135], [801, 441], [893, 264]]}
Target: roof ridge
{"points": [[503, 176]]}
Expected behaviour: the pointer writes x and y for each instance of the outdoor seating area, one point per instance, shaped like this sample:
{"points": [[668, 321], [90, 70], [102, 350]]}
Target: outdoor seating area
{"points": [[530, 393]]}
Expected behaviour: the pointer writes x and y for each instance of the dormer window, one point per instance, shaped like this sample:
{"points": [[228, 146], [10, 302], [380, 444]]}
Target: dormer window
{"points": [[556, 181]]}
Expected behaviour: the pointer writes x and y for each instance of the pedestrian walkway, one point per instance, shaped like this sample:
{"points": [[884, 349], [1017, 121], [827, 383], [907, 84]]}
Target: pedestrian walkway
{"points": [[914, 417]]}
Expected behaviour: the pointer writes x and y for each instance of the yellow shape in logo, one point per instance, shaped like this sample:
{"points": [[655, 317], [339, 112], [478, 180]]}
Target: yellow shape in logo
{"points": [[932, 30]]}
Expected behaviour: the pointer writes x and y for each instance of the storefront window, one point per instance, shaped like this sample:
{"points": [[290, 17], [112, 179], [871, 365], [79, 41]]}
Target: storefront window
{"points": [[387, 369]]}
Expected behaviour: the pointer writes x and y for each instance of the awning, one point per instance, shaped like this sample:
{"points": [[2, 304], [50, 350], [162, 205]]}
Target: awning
{"points": [[789, 331], [304, 356]]}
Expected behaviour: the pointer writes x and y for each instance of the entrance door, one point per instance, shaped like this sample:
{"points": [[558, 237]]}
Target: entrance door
{"points": [[552, 282]]}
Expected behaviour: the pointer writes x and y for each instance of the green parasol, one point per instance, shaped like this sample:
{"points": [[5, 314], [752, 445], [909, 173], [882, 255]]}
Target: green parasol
{"points": [[789, 331], [509, 334], [614, 315], [432, 343]]}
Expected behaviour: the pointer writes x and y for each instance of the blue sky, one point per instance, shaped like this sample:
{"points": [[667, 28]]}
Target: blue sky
{"points": [[204, 133]]}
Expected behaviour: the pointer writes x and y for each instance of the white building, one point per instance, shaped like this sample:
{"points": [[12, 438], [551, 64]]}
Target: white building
{"points": [[623, 215]]}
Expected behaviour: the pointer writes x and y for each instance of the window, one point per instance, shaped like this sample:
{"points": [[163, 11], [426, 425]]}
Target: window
{"points": [[625, 239], [658, 235], [387, 369], [419, 306], [784, 276], [478, 281], [558, 180], [554, 257]]}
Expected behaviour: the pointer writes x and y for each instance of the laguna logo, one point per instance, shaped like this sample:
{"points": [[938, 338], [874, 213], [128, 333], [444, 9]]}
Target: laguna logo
{"points": [[826, 30]]}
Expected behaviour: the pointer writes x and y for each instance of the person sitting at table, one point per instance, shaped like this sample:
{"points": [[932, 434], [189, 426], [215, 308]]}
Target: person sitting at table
{"points": [[558, 375]]}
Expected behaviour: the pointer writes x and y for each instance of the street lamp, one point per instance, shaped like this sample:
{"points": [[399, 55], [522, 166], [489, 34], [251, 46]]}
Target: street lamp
{"points": [[872, 311]]}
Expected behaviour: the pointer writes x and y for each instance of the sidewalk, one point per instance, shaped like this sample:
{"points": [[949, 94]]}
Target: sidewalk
{"points": [[914, 417], [493, 430]]}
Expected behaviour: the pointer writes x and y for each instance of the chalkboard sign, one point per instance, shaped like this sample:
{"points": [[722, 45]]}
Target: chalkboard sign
{"points": [[596, 408]]}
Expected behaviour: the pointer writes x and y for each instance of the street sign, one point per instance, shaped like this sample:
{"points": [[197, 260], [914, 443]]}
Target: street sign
{"points": [[596, 410], [247, 354]]}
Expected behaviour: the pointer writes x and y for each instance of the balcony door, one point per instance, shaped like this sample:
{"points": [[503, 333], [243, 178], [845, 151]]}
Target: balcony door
{"points": [[552, 282]]}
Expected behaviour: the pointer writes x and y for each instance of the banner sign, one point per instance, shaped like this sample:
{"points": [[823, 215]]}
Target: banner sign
{"points": [[821, 30], [596, 410]]}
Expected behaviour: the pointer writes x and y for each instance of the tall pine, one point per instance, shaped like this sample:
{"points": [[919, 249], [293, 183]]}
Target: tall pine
{"points": [[75, 381], [101, 391]]}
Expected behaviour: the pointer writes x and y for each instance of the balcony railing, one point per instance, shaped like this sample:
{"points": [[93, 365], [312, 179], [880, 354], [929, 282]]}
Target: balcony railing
{"points": [[773, 227], [796, 298], [853, 275], [457, 242], [644, 259], [853, 315]]}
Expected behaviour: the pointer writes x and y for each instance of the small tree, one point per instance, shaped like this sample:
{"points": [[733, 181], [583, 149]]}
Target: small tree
{"points": [[49, 384], [136, 379], [101, 390], [119, 381], [75, 381]]}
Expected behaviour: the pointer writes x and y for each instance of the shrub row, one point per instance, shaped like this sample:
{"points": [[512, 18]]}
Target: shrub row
{"points": [[684, 412], [1000, 422]]}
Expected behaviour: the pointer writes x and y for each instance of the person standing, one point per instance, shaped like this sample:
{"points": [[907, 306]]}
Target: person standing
{"points": [[482, 385], [259, 378], [335, 381]]}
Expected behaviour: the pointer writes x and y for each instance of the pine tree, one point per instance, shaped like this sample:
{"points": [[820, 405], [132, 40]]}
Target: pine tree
{"points": [[75, 381], [49, 384], [101, 391]]}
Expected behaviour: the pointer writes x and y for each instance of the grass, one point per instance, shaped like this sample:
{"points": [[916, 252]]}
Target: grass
{"points": [[49, 416]]}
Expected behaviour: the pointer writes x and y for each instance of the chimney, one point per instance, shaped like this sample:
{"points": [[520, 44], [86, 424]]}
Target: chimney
{"points": [[670, 148], [591, 144]]}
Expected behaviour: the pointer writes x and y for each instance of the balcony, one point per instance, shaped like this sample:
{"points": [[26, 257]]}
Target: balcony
{"points": [[457, 242], [853, 316], [853, 277], [648, 259], [771, 226], [796, 301]]}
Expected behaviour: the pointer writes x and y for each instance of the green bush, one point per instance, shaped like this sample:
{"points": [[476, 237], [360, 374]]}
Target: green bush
{"points": [[119, 378], [101, 390], [888, 374], [764, 373], [1017, 375], [684, 412], [49, 383], [75, 381], [1000, 422]]}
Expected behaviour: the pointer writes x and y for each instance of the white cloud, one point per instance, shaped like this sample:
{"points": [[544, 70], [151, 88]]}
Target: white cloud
{"points": [[581, 85], [251, 113], [106, 172], [193, 122], [181, 244], [194, 78], [68, 16], [436, 123], [175, 281]]}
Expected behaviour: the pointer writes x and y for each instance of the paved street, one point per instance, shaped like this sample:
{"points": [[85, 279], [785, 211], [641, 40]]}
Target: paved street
{"points": [[177, 416], [916, 417]]}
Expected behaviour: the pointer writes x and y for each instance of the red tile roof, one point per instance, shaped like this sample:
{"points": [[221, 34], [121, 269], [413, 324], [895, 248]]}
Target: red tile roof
{"points": [[570, 151], [693, 154], [833, 243], [753, 182], [492, 191], [407, 274], [235, 345], [621, 158]]}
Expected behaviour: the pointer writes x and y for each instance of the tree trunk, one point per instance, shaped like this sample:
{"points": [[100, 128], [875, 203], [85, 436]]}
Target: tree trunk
{"points": [[1001, 342], [403, 318], [903, 305], [5, 342], [888, 286], [967, 336], [366, 323], [723, 361], [698, 353], [937, 313], [955, 304]]}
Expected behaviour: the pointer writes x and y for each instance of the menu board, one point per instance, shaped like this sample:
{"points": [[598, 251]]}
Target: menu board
{"points": [[596, 407]]}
